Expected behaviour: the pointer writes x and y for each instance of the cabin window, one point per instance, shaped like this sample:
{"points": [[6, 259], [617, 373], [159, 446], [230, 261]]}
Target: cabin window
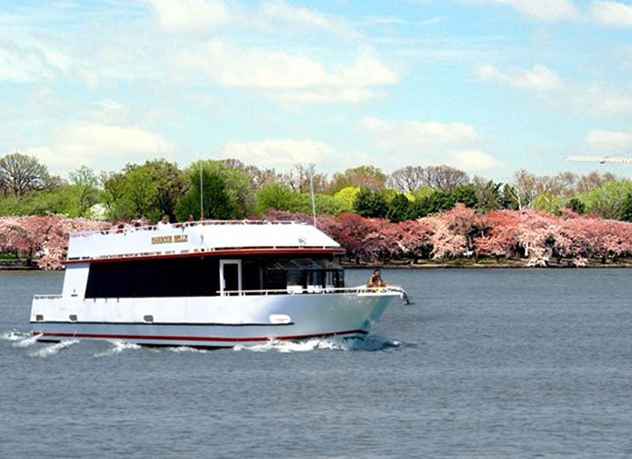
{"points": [[201, 276]]}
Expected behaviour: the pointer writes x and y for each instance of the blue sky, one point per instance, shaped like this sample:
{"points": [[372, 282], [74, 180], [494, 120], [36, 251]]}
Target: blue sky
{"points": [[489, 86]]}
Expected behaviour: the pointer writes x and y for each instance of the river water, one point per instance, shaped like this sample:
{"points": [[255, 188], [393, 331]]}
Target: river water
{"points": [[485, 363]]}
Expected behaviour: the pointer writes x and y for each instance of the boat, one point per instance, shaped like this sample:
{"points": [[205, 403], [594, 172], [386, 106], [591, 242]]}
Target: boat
{"points": [[207, 284]]}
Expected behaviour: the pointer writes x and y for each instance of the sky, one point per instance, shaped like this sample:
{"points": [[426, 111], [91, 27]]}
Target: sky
{"points": [[488, 86]]}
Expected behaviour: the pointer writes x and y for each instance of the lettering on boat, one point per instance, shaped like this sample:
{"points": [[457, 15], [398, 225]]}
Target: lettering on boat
{"points": [[170, 239]]}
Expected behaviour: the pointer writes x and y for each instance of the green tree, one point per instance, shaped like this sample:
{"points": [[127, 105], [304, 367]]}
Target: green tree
{"points": [[170, 184], [20, 174], [548, 202], [626, 208], [212, 190], [399, 209], [281, 197], [85, 185], [369, 177], [607, 199], [465, 194], [371, 204], [576, 205], [347, 197]]}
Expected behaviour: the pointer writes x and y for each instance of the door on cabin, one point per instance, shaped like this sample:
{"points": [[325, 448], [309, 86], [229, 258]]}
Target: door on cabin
{"points": [[230, 277]]}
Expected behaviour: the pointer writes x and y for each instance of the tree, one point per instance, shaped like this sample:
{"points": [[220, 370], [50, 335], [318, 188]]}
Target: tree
{"points": [[444, 178], [548, 202], [524, 189], [362, 177], [299, 177], [607, 200], [576, 205], [466, 194], [407, 179], [278, 197], [85, 184], [371, 204], [170, 184], [399, 209], [347, 196], [21, 174], [488, 194], [212, 190], [626, 208]]}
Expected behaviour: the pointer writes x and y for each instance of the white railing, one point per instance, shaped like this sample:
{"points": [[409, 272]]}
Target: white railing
{"points": [[316, 290], [116, 229], [47, 297]]}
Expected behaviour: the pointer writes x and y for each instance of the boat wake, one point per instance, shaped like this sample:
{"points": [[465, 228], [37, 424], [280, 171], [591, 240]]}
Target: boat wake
{"points": [[370, 343], [26, 342], [117, 348], [53, 348], [14, 335]]}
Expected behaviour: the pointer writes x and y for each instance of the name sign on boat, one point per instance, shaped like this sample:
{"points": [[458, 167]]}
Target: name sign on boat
{"points": [[170, 239]]}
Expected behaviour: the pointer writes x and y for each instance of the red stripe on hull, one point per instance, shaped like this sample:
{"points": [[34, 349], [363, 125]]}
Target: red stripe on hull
{"points": [[196, 338]]}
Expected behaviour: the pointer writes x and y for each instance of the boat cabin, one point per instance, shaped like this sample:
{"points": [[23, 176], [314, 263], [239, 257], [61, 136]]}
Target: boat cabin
{"points": [[208, 258]]}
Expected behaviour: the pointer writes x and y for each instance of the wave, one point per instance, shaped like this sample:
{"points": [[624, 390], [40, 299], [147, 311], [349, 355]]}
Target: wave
{"points": [[370, 343], [186, 349], [54, 348], [14, 335], [117, 348], [27, 342]]}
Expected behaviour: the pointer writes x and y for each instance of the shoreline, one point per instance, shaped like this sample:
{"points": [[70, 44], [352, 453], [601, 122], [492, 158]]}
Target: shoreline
{"points": [[428, 265]]}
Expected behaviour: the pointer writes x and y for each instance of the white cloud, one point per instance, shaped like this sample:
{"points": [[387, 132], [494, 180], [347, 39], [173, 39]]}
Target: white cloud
{"points": [[280, 10], [610, 140], [278, 153], [612, 13], [542, 10], [290, 77], [538, 77], [428, 142], [190, 15], [416, 133], [600, 101], [474, 160], [100, 145], [30, 61]]}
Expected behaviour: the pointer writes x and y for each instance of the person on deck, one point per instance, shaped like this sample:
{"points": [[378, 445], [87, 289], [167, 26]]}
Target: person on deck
{"points": [[375, 281]]}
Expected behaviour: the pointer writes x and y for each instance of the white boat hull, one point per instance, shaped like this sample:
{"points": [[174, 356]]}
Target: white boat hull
{"points": [[218, 321]]}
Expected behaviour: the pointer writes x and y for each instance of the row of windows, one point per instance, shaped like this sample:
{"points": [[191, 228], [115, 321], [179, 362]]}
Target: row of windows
{"points": [[200, 277]]}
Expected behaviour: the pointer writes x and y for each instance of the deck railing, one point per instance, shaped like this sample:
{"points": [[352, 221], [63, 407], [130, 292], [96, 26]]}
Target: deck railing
{"points": [[315, 290], [130, 227]]}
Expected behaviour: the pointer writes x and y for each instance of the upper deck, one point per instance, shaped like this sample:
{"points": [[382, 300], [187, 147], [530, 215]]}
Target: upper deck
{"points": [[210, 237]]}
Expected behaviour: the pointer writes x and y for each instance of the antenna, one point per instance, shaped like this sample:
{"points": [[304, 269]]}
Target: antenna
{"points": [[311, 191], [201, 192]]}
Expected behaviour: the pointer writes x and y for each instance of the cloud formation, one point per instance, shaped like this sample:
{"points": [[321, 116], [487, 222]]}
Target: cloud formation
{"points": [[96, 145], [278, 153], [614, 14], [610, 141], [538, 77], [542, 10], [291, 77]]}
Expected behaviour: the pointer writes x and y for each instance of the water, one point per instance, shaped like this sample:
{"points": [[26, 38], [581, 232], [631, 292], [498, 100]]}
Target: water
{"points": [[486, 363]]}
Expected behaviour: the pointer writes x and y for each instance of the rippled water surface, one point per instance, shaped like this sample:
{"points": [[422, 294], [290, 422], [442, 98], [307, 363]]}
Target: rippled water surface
{"points": [[485, 363]]}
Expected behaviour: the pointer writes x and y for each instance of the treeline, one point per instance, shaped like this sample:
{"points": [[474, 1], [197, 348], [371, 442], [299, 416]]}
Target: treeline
{"points": [[460, 235], [229, 189]]}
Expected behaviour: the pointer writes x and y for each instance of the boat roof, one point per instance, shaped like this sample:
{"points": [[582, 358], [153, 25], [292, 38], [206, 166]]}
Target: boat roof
{"points": [[209, 237]]}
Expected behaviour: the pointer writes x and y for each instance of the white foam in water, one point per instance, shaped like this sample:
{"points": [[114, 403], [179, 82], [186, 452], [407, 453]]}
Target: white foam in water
{"points": [[26, 342], [186, 349], [14, 335], [54, 348], [322, 344], [117, 348]]}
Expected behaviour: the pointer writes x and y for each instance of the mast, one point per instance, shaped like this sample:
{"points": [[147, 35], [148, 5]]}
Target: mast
{"points": [[311, 192], [201, 193]]}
